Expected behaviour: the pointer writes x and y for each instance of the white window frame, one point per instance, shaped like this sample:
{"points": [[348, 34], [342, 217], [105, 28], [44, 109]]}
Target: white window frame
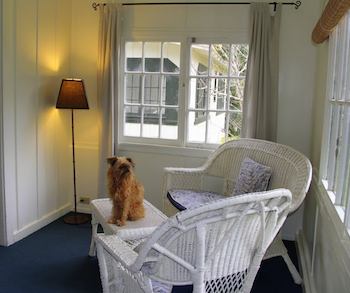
{"points": [[335, 153], [125, 142]]}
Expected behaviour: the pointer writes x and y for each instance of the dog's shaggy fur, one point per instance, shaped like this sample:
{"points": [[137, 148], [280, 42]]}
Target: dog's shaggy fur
{"points": [[125, 191]]}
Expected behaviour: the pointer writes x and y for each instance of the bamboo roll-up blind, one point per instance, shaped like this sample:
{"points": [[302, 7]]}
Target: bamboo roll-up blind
{"points": [[330, 17]]}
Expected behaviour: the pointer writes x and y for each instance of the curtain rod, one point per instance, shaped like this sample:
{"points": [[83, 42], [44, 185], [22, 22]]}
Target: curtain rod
{"points": [[296, 3]]}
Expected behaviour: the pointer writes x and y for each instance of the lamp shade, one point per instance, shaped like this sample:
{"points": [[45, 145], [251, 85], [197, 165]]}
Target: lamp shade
{"points": [[72, 95]]}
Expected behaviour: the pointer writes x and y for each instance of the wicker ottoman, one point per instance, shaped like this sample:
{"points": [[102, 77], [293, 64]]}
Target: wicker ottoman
{"points": [[101, 212]]}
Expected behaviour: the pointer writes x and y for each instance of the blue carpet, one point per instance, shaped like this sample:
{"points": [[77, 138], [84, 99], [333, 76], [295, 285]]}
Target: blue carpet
{"points": [[55, 260]]}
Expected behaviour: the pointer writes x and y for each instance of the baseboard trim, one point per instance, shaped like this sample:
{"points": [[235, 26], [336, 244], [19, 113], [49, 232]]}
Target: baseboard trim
{"points": [[40, 223], [305, 262]]}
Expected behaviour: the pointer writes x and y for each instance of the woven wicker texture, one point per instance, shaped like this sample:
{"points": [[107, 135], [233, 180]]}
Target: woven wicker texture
{"points": [[217, 247], [330, 17], [290, 170]]}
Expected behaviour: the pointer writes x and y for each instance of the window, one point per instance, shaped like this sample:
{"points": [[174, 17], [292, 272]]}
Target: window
{"points": [[151, 86], [167, 100], [216, 79], [335, 163]]}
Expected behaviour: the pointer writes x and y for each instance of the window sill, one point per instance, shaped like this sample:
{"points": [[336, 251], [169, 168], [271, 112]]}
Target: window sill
{"points": [[165, 150]]}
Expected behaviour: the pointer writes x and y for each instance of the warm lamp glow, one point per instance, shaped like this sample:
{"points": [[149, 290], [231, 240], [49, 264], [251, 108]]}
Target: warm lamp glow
{"points": [[72, 95]]}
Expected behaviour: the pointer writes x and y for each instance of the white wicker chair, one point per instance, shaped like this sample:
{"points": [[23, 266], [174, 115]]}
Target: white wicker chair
{"points": [[290, 170], [217, 247]]}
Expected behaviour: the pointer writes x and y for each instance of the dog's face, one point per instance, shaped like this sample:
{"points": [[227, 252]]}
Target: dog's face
{"points": [[120, 167]]}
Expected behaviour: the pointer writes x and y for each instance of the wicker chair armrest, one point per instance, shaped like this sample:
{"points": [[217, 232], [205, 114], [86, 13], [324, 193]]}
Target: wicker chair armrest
{"points": [[184, 171], [117, 248]]}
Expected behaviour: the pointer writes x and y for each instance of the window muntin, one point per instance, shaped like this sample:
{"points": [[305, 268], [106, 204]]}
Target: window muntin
{"points": [[216, 79], [335, 170], [151, 89], [211, 107]]}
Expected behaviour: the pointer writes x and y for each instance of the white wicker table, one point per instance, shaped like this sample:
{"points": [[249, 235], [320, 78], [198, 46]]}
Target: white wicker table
{"points": [[101, 211]]}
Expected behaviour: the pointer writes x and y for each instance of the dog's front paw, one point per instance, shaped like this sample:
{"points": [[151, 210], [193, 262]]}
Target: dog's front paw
{"points": [[112, 221], [120, 223]]}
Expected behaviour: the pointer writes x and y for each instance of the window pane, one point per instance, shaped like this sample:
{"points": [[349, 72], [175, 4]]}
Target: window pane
{"points": [[234, 126], [132, 125], [150, 122], [218, 90], [216, 128], [198, 93], [239, 58], [152, 89], [220, 56], [236, 94], [133, 88], [199, 59], [169, 126], [152, 56], [170, 90], [171, 57], [196, 127], [133, 53]]}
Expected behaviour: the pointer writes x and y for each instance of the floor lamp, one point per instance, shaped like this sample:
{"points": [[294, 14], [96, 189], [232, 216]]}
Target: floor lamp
{"points": [[72, 96]]}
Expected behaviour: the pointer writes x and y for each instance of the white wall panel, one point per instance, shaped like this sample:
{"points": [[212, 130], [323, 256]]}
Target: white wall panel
{"points": [[26, 110], [36, 149], [84, 65]]}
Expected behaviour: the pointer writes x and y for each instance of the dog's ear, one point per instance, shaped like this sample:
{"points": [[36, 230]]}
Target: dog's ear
{"points": [[131, 162], [112, 160]]}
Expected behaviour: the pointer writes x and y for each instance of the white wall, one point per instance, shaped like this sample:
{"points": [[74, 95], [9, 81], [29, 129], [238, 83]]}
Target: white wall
{"points": [[37, 158], [84, 65], [2, 208]]}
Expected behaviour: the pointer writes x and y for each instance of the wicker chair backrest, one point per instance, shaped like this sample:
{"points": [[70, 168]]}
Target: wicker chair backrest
{"points": [[218, 245], [290, 169]]}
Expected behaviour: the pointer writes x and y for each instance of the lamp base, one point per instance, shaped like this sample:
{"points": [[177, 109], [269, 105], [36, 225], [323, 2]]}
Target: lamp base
{"points": [[76, 219]]}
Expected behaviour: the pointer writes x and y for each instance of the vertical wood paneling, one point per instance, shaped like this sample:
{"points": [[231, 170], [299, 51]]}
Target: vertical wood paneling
{"points": [[26, 110], [53, 52], [2, 207], [35, 139], [9, 97], [47, 79]]}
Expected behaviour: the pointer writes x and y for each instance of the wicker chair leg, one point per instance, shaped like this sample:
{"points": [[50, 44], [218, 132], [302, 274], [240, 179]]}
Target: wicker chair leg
{"points": [[94, 225], [292, 269]]}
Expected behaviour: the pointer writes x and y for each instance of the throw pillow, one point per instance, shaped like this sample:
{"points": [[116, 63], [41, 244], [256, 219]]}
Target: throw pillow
{"points": [[253, 177]]}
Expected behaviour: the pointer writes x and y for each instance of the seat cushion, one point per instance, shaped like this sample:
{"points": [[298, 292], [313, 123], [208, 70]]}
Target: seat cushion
{"points": [[253, 177], [184, 199]]}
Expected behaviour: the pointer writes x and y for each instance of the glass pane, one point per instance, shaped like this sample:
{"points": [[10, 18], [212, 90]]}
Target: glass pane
{"points": [[196, 126], [150, 122], [171, 57], [133, 88], [199, 59], [198, 93], [218, 93], [152, 56], [152, 89], [236, 94], [132, 125], [216, 128], [170, 90], [169, 126], [234, 126], [133, 55], [239, 58], [220, 56]]}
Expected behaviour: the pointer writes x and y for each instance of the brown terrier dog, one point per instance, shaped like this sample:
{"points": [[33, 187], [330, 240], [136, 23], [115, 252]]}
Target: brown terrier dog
{"points": [[125, 191]]}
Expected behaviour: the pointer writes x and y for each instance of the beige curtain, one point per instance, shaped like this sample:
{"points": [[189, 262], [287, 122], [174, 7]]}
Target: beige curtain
{"points": [[261, 87], [107, 85]]}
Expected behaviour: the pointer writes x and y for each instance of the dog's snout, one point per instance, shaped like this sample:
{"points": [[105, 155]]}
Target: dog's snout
{"points": [[124, 166]]}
